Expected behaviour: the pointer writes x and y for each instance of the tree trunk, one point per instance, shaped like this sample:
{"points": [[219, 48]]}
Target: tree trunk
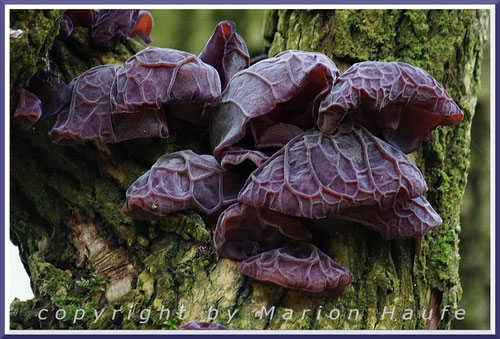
{"points": [[81, 252]]}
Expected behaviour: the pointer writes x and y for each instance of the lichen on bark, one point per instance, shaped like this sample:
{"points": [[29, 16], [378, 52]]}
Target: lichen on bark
{"points": [[66, 200]]}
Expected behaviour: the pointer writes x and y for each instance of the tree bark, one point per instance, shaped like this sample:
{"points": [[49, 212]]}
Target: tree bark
{"points": [[81, 252]]}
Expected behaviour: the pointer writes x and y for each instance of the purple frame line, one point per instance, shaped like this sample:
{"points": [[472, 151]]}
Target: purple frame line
{"points": [[2, 184], [255, 2], [186, 336], [497, 164], [218, 2]]}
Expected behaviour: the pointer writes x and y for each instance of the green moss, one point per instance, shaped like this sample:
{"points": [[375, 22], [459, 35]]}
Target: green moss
{"points": [[32, 179], [28, 54], [157, 266], [172, 324], [93, 284], [189, 225], [363, 34], [66, 57], [66, 292], [133, 45], [108, 200]]}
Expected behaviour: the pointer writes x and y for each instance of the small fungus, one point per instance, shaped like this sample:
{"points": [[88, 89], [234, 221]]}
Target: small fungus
{"points": [[243, 231], [29, 109], [234, 156], [144, 26], [66, 27], [179, 181], [75, 17], [81, 17], [195, 325], [52, 91], [113, 26], [303, 267], [226, 52]]}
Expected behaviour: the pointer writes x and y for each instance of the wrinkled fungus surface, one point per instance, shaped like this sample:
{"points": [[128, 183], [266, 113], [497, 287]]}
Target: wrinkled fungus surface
{"points": [[302, 267], [399, 102], [113, 26], [235, 156], [317, 175], [286, 88], [89, 114], [29, 109], [274, 135], [52, 91], [109, 27], [406, 219], [243, 231], [158, 76], [75, 17], [179, 181], [66, 27], [226, 52]]}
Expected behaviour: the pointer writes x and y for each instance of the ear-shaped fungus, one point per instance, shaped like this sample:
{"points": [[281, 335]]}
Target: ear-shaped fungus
{"points": [[242, 161], [75, 17], [406, 219], [81, 17], [243, 231], [29, 109], [226, 51], [89, 114], [235, 156], [195, 325], [144, 26], [179, 181], [113, 26], [158, 76], [401, 103], [52, 91], [66, 28], [302, 267], [287, 89], [317, 175]]}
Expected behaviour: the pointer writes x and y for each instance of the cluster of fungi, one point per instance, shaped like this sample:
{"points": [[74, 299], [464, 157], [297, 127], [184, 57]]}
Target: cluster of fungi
{"points": [[293, 141]]}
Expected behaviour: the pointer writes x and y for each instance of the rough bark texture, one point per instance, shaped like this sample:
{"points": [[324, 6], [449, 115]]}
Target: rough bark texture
{"points": [[82, 253]]}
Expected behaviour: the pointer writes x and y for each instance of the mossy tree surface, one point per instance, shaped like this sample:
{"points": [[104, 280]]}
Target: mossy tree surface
{"points": [[81, 252]]}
